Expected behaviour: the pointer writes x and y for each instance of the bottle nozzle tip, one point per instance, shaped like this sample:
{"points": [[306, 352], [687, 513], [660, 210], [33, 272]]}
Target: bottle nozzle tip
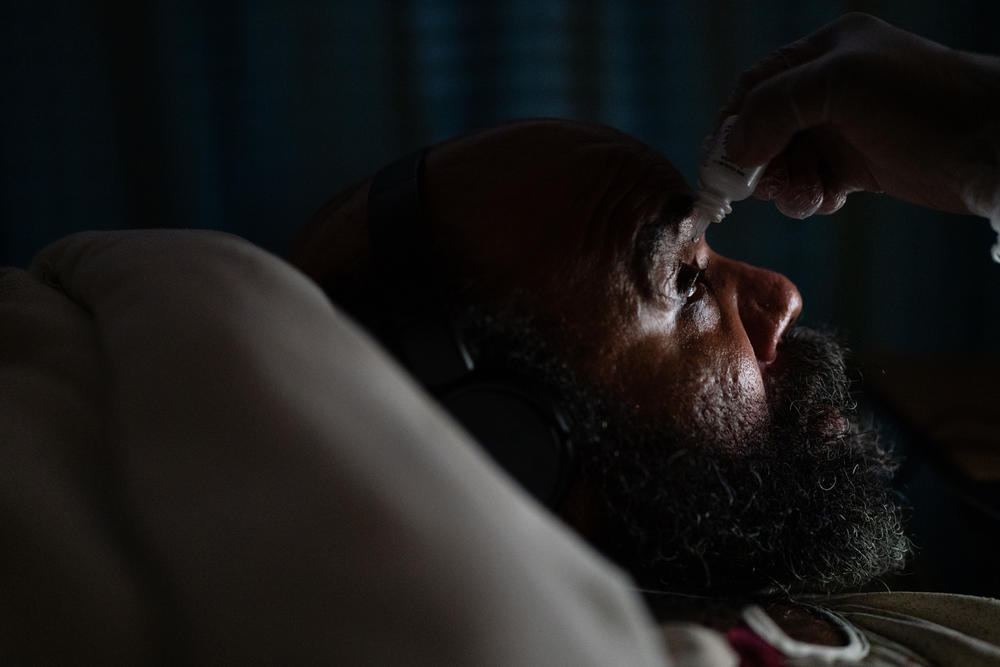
{"points": [[700, 221]]}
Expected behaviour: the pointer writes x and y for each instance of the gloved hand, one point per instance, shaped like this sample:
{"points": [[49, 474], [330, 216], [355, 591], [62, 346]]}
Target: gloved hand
{"points": [[862, 105]]}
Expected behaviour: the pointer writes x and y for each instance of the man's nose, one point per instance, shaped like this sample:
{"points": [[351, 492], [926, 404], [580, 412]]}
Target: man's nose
{"points": [[768, 304]]}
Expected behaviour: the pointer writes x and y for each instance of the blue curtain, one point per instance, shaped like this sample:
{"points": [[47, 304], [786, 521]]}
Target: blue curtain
{"points": [[246, 115]]}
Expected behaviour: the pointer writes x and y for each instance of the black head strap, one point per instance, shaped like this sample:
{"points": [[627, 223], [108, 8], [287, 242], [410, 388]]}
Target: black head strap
{"points": [[515, 422], [416, 324]]}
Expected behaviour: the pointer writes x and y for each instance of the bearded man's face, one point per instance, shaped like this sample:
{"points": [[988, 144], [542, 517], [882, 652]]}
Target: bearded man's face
{"points": [[717, 445], [802, 504], [718, 442]]}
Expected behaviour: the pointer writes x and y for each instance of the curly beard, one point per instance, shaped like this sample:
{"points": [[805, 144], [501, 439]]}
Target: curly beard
{"points": [[809, 508]]}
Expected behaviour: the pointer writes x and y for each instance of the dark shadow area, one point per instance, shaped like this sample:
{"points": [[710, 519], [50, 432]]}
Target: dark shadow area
{"points": [[950, 472]]}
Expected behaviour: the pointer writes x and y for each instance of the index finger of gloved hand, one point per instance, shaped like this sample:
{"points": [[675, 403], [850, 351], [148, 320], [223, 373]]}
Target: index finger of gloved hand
{"points": [[774, 180], [804, 192], [787, 57], [778, 109]]}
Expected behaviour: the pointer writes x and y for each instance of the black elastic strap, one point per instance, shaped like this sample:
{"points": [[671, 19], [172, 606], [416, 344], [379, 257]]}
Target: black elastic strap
{"points": [[400, 237], [417, 326]]}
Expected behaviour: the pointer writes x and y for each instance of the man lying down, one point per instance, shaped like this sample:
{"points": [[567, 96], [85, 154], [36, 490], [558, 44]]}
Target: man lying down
{"points": [[714, 444], [717, 455], [715, 447], [208, 463]]}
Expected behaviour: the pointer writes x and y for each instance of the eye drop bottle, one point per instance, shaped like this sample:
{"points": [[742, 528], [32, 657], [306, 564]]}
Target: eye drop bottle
{"points": [[721, 182]]}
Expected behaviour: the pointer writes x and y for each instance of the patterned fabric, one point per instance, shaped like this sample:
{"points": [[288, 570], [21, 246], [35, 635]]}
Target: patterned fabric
{"points": [[752, 649], [943, 629]]}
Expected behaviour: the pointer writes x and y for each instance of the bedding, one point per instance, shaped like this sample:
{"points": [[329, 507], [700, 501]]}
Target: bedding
{"points": [[206, 462]]}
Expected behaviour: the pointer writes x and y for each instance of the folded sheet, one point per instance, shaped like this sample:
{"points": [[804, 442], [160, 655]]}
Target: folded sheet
{"points": [[206, 462]]}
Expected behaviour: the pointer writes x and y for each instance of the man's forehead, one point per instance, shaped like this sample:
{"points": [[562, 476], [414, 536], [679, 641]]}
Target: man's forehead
{"points": [[553, 129], [552, 168], [553, 140]]}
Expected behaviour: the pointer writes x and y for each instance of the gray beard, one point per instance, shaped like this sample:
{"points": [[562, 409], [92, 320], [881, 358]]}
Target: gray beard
{"points": [[808, 509]]}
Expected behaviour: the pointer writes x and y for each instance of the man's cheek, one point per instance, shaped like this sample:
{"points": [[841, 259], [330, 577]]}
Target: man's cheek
{"points": [[726, 404]]}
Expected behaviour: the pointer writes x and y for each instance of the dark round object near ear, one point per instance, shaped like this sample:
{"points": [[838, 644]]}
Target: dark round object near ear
{"points": [[521, 430], [518, 425]]}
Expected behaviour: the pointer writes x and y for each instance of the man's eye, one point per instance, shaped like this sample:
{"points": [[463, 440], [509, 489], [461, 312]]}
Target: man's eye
{"points": [[689, 277]]}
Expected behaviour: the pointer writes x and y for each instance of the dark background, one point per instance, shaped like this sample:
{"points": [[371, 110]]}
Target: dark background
{"points": [[246, 116]]}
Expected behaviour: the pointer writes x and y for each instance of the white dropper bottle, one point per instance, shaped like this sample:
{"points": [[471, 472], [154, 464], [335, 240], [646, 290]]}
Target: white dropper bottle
{"points": [[721, 182]]}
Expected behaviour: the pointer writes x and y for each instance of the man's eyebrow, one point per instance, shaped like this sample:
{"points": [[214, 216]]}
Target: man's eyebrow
{"points": [[654, 234]]}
